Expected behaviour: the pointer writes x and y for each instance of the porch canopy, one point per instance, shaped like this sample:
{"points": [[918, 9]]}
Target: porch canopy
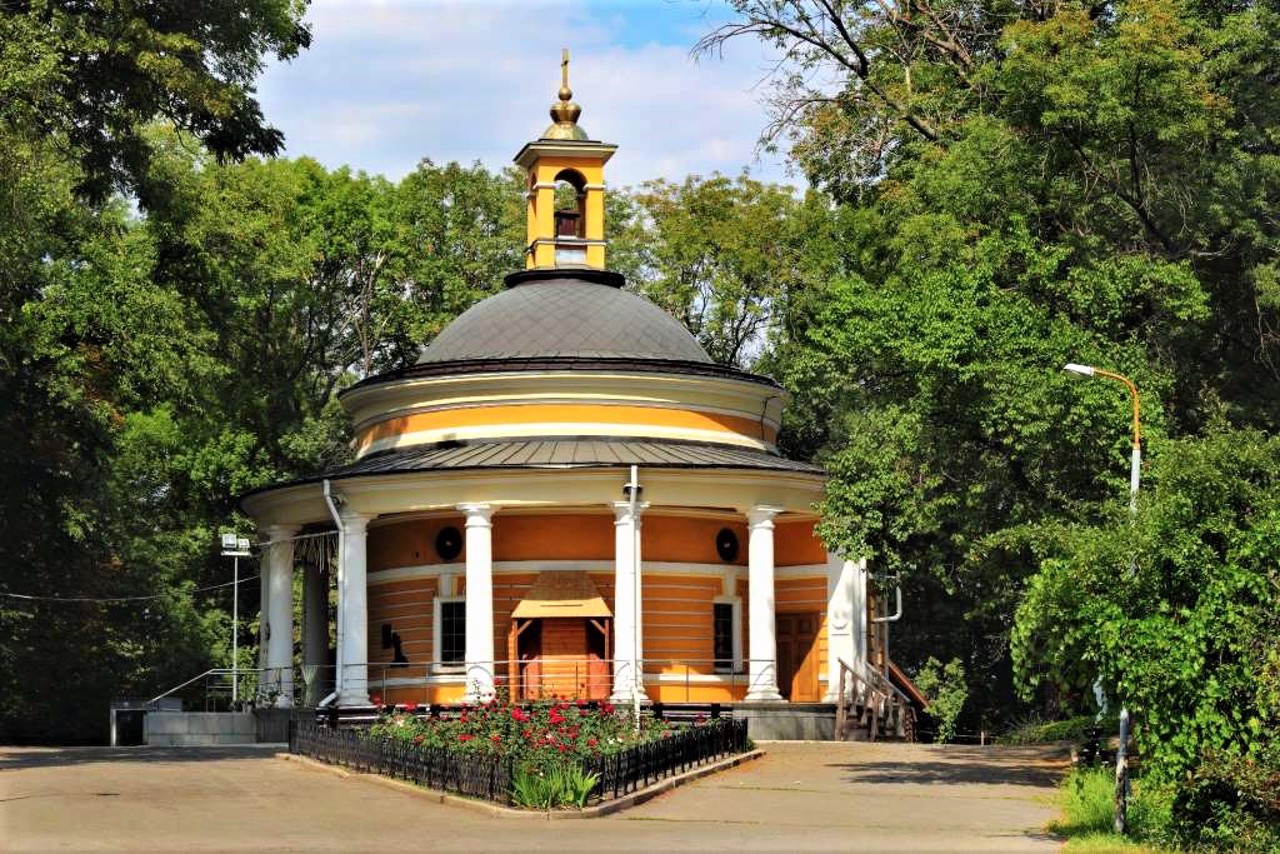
{"points": [[558, 593]]}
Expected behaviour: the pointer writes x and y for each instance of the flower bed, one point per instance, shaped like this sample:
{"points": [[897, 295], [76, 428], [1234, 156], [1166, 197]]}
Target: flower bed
{"points": [[548, 754]]}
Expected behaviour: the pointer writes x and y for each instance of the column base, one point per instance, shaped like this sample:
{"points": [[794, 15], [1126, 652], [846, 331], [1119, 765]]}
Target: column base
{"points": [[626, 698], [763, 696], [480, 684], [353, 700]]}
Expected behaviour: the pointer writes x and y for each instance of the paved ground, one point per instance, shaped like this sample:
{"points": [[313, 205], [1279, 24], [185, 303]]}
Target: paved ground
{"points": [[801, 796]]}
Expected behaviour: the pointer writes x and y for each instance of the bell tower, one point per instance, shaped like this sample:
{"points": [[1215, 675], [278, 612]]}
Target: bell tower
{"points": [[565, 188]]}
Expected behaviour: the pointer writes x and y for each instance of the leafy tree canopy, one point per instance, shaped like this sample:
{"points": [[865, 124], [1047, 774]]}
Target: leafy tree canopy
{"points": [[91, 74]]}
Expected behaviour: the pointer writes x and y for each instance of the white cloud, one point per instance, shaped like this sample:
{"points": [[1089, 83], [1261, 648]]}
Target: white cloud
{"points": [[388, 82]]}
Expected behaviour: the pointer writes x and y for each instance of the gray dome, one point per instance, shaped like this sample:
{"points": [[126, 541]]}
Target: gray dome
{"points": [[564, 313]]}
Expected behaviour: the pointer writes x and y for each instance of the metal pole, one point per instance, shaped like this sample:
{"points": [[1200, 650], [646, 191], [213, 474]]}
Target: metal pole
{"points": [[1120, 823], [235, 639]]}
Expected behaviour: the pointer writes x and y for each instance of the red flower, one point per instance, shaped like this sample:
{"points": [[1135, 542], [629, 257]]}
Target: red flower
{"points": [[466, 736], [495, 738], [555, 717], [519, 714], [591, 742], [562, 747]]}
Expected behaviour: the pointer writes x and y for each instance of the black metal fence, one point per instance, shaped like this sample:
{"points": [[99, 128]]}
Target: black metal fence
{"points": [[635, 768], [491, 777]]}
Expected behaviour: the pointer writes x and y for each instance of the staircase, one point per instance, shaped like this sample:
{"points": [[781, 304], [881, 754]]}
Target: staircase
{"points": [[870, 707]]}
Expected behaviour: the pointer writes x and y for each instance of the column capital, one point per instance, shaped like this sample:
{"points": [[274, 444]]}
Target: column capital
{"points": [[478, 515], [762, 516], [276, 533], [622, 510], [355, 523]]}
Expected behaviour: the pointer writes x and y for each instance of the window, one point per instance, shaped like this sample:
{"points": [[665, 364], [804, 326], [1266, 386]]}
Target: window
{"points": [[453, 632], [722, 632]]}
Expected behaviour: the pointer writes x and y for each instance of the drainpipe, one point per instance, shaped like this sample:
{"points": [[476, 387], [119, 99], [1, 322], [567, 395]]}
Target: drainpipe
{"points": [[637, 671], [332, 504], [889, 618]]}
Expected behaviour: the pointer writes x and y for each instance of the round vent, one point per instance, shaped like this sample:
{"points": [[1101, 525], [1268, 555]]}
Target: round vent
{"points": [[727, 545], [449, 543]]}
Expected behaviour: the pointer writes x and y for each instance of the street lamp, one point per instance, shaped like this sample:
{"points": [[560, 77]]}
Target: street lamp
{"points": [[235, 546], [1135, 475]]}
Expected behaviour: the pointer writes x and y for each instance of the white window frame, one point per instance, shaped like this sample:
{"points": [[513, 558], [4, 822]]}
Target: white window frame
{"points": [[736, 602], [437, 636]]}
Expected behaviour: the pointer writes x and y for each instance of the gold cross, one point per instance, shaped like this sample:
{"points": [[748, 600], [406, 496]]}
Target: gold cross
{"points": [[564, 68]]}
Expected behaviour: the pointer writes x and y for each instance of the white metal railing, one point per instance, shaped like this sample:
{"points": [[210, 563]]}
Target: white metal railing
{"points": [[678, 680]]}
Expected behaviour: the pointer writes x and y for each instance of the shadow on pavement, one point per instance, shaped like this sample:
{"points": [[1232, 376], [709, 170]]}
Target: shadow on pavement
{"points": [[962, 765], [48, 757]]}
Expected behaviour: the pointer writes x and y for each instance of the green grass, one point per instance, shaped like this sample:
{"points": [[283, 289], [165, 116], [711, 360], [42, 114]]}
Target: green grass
{"points": [[1087, 799], [1104, 843]]}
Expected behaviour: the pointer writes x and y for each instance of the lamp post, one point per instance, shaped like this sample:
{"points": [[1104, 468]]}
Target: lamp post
{"points": [[1135, 475], [235, 547]]}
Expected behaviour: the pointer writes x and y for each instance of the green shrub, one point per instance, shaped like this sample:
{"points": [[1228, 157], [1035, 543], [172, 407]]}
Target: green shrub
{"points": [[1231, 802], [549, 785], [1039, 731], [946, 689]]}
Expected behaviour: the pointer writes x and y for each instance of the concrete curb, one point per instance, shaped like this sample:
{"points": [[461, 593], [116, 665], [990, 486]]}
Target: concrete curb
{"points": [[625, 802]]}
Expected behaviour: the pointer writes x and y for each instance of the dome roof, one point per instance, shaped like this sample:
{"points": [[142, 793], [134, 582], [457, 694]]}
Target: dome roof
{"points": [[564, 313]]}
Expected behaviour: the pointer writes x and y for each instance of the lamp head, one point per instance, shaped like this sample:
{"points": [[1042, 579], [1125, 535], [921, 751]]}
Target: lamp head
{"points": [[1083, 370]]}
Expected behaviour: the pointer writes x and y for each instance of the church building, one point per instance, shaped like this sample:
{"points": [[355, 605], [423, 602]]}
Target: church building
{"points": [[563, 496]]}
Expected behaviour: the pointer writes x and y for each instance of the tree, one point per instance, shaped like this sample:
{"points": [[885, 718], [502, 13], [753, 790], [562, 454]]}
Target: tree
{"points": [[91, 349], [1022, 186], [720, 255], [1177, 614], [92, 74]]}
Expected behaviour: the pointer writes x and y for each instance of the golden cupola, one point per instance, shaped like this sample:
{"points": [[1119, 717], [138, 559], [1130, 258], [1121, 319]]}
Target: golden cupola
{"points": [[565, 189]]}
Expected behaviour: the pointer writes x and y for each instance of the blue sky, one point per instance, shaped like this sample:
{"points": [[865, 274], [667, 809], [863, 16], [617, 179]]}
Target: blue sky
{"points": [[388, 82]]}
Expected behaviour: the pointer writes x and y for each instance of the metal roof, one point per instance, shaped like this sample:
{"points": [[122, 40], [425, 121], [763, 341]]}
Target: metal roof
{"points": [[555, 453], [564, 313]]}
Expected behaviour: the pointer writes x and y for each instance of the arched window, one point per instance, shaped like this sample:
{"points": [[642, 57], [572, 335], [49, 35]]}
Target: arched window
{"points": [[571, 204]]}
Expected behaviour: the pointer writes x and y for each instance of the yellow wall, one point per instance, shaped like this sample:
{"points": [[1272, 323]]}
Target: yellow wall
{"points": [[678, 612], [561, 413], [410, 543], [795, 544], [561, 536]]}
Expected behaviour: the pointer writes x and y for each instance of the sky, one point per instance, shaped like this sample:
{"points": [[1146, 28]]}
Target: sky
{"points": [[389, 82]]}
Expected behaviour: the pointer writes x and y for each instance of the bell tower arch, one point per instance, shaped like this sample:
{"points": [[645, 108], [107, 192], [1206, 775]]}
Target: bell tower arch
{"points": [[565, 190]]}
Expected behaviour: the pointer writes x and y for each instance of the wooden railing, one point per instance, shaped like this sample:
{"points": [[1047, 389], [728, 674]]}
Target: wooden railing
{"points": [[868, 701]]}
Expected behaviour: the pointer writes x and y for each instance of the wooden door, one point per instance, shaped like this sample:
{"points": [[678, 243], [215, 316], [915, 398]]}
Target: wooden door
{"points": [[564, 657], [798, 663]]}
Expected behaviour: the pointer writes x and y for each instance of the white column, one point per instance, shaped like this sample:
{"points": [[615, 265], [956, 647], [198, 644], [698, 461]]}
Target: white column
{"points": [[861, 623], [762, 645], [277, 566], [844, 598], [479, 651], [264, 606], [628, 607], [315, 627], [353, 605]]}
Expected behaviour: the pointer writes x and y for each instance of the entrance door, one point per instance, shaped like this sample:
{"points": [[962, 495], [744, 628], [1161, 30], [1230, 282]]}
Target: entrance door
{"points": [[798, 657], [565, 657]]}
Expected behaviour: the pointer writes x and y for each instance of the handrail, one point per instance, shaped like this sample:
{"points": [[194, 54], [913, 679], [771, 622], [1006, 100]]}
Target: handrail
{"points": [[208, 672]]}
